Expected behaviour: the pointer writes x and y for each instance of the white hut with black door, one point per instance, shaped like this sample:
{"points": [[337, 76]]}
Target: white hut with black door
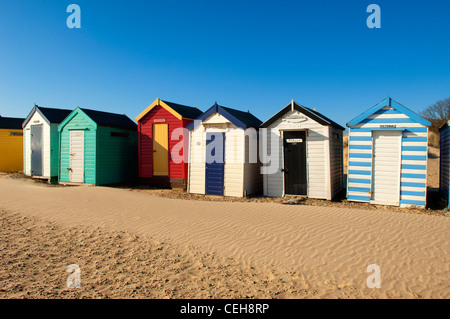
{"points": [[305, 154]]}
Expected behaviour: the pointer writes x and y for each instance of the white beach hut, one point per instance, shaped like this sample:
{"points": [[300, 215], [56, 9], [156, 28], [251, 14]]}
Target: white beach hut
{"points": [[41, 142], [223, 153], [387, 159], [307, 148]]}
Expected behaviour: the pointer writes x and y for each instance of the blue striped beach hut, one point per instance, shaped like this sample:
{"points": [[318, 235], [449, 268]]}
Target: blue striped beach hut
{"points": [[387, 156], [444, 162]]}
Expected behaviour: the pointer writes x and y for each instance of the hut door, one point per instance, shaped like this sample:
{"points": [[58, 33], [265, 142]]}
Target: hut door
{"points": [[386, 168], [36, 150], [76, 170], [215, 164], [295, 178], [160, 150]]}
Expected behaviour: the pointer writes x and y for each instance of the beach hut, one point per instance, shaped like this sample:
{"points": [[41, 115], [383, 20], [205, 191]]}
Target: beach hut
{"points": [[41, 142], [444, 162], [159, 126], [308, 148], [223, 157], [11, 144], [97, 148], [387, 157]]}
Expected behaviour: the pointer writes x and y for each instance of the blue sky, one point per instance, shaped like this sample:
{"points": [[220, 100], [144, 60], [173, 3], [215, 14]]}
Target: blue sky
{"points": [[249, 55]]}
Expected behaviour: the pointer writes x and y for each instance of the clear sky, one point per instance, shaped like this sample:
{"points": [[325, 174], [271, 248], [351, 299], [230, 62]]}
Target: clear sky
{"points": [[249, 55]]}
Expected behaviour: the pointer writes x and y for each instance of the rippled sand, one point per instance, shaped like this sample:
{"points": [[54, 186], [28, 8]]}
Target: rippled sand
{"points": [[296, 251]]}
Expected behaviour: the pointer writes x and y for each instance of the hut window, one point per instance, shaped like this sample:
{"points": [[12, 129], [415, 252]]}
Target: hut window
{"points": [[15, 134], [336, 135], [120, 134]]}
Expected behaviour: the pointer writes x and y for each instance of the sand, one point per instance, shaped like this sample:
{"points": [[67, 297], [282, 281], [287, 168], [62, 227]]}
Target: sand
{"points": [[135, 245]]}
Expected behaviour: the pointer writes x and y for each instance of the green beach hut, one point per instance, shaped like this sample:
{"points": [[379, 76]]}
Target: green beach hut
{"points": [[97, 148]]}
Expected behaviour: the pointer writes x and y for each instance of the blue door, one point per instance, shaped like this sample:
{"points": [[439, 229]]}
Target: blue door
{"points": [[215, 163]]}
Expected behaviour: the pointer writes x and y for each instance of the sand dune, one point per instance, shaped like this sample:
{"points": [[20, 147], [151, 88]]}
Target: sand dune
{"points": [[325, 249]]}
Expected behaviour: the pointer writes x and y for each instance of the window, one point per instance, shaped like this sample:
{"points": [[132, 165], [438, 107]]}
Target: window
{"points": [[120, 134], [15, 133]]}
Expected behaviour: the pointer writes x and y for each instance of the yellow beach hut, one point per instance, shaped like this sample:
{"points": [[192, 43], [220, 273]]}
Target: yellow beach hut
{"points": [[11, 144]]}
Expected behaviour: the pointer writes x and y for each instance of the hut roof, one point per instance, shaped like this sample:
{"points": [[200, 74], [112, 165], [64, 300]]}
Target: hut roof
{"points": [[388, 102], [239, 118], [178, 110], [316, 116], [12, 123], [50, 115]]}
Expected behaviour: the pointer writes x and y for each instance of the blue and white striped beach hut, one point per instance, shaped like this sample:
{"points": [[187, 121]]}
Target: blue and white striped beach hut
{"points": [[387, 158]]}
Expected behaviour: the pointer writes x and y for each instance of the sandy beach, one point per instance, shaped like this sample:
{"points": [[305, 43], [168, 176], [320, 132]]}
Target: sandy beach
{"points": [[135, 245]]}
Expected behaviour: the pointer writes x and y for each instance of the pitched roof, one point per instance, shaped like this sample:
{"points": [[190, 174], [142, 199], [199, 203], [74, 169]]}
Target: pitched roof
{"points": [[177, 110], [239, 118], [110, 119], [245, 117], [316, 116], [12, 123], [51, 115], [391, 103], [54, 115], [185, 111]]}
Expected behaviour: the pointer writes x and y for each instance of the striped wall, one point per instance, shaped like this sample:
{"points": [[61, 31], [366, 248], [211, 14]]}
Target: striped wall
{"points": [[413, 163], [444, 163]]}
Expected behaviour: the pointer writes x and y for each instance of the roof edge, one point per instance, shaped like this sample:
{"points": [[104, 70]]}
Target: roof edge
{"points": [[316, 116], [389, 102], [71, 116], [30, 115], [216, 108]]}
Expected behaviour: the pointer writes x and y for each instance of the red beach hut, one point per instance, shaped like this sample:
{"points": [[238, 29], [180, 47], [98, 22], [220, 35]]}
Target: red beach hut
{"points": [[158, 139]]}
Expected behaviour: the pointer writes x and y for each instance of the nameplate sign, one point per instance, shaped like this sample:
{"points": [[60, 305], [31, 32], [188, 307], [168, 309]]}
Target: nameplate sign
{"points": [[295, 118], [160, 120], [294, 140]]}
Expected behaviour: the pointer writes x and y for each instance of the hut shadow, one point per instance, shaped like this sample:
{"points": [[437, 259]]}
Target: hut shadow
{"points": [[136, 186], [432, 156]]}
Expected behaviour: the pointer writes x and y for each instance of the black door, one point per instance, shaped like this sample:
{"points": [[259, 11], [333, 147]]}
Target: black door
{"points": [[36, 150], [295, 179]]}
